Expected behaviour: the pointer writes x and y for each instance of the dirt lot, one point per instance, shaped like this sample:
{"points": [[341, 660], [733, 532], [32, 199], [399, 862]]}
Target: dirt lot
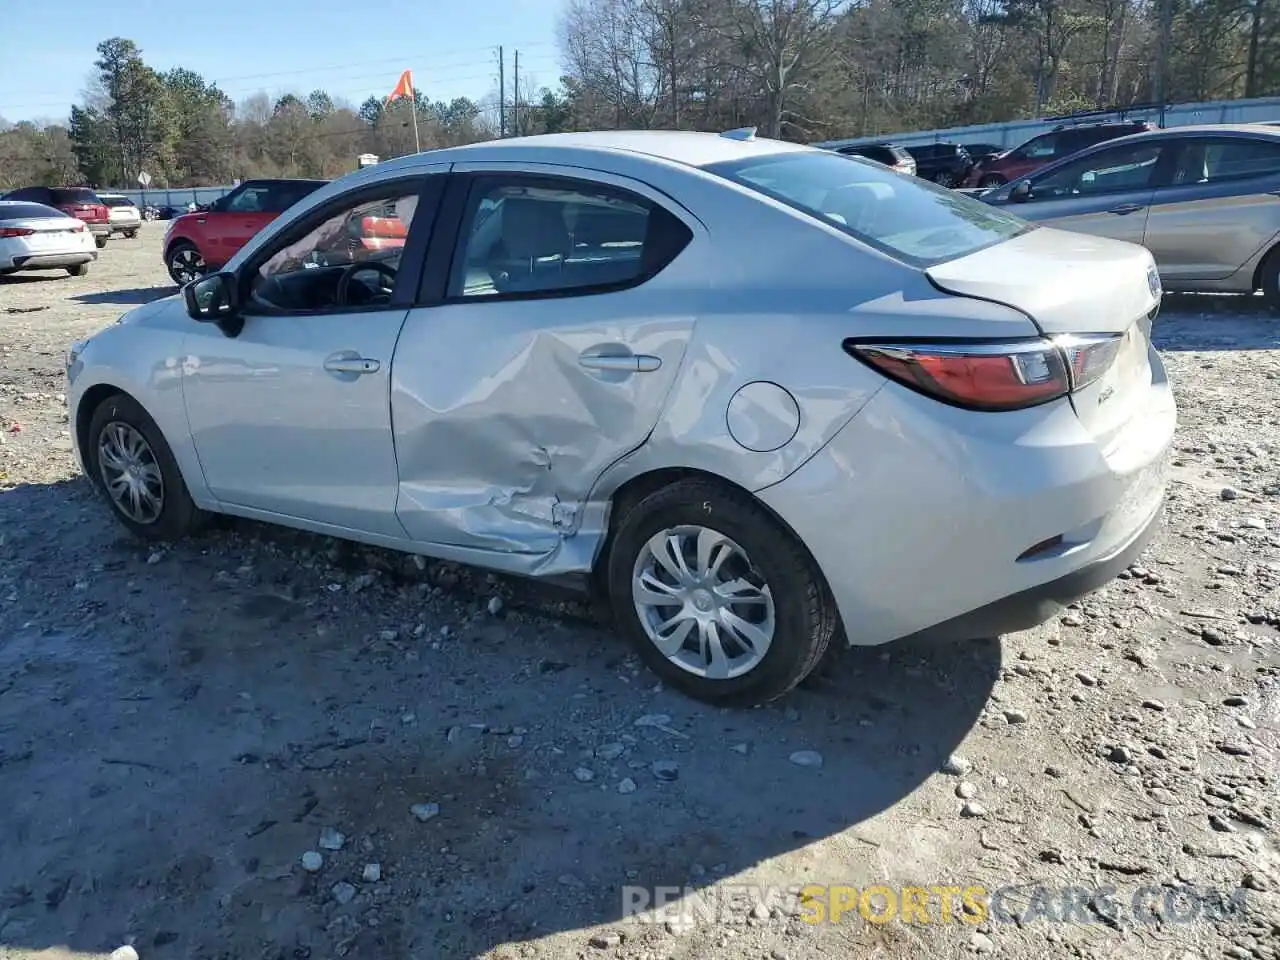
{"points": [[179, 727]]}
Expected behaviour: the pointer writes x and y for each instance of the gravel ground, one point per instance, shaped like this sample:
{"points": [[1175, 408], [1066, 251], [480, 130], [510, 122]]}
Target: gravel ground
{"points": [[179, 727]]}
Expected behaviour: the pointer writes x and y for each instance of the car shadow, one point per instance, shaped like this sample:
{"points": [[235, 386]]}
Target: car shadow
{"points": [[131, 296], [1201, 322], [178, 730], [32, 277]]}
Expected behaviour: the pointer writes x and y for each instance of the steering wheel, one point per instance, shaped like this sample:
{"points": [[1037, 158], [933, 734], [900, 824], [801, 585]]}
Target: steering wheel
{"points": [[344, 281]]}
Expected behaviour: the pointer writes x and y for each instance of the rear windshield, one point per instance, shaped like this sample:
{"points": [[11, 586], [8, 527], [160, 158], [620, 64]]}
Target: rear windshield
{"points": [[28, 211], [117, 201], [908, 219], [69, 195]]}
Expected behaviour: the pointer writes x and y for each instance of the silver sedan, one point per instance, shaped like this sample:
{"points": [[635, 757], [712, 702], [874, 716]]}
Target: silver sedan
{"points": [[1205, 200], [764, 397]]}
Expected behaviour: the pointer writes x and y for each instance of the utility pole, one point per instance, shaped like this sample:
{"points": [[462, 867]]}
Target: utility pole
{"points": [[515, 103], [502, 96], [1161, 79]]}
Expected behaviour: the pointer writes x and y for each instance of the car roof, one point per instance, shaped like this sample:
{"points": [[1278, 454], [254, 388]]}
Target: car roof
{"points": [[1252, 130], [676, 146]]}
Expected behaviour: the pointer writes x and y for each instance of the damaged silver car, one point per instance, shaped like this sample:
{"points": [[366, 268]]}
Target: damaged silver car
{"points": [[764, 397]]}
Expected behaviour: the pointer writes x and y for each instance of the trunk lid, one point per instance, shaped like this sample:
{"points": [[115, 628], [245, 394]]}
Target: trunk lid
{"points": [[1071, 284]]}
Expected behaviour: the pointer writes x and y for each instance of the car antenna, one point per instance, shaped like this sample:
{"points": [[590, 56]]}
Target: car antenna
{"points": [[741, 133]]}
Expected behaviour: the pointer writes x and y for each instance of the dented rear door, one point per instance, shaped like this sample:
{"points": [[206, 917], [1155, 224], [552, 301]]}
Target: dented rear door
{"points": [[548, 354]]}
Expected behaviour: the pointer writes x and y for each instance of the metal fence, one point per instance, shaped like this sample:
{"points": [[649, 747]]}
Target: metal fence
{"points": [[1259, 110], [175, 197]]}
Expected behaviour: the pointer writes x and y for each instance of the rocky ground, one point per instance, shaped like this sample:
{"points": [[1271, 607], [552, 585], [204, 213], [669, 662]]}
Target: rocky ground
{"points": [[262, 744]]}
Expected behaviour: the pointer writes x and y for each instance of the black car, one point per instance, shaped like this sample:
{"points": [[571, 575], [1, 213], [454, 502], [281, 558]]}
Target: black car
{"points": [[946, 164], [890, 154], [983, 151]]}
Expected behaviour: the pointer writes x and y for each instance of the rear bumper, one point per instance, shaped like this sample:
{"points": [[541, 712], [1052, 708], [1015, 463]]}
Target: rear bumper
{"points": [[923, 517], [48, 261], [99, 229], [120, 226], [1035, 605]]}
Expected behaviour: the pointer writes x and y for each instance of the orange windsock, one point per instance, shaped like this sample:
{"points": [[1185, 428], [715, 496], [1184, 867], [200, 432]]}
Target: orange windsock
{"points": [[404, 88]]}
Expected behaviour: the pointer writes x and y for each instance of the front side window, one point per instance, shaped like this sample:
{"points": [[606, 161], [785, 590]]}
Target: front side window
{"points": [[348, 261], [907, 218], [538, 237], [1041, 148], [248, 200], [1109, 171]]}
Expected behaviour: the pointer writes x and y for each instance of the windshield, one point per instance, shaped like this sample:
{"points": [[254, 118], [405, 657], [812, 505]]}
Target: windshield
{"points": [[907, 218]]}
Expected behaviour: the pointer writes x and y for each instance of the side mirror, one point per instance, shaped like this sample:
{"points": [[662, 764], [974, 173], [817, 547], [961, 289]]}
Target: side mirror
{"points": [[1021, 193], [213, 299]]}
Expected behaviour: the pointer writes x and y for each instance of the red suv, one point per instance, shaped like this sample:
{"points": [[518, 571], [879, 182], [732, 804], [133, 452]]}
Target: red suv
{"points": [[207, 239], [79, 202], [1061, 142]]}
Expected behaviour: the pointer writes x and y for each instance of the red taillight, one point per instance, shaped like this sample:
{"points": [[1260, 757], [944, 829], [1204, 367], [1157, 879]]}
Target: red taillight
{"points": [[992, 376], [15, 232]]}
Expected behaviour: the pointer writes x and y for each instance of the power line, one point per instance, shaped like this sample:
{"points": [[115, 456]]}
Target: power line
{"points": [[242, 90]]}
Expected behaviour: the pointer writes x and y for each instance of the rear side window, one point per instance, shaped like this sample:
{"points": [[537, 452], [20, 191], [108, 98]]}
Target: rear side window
{"points": [[1040, 148], [35, 194], [29, 211], [70, 195], [908, 219], [559, 237], [282, 196], [1240, 159]]}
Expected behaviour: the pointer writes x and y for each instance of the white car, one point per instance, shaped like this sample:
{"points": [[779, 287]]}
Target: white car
{"points": [[122, 214], [762, 395], [36, 237]]}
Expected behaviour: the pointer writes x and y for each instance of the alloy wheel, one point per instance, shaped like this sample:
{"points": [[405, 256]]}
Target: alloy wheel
{"points": [[186, 265], [702, 603], [130, 473]]}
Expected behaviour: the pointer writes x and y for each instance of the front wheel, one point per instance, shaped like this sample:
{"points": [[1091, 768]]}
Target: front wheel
{"points": [[185, 263], [1269, 279], [133, 467], [79, 270], [716, 596]]}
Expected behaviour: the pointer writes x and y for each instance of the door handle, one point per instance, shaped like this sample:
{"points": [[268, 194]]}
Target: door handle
{"points": [[355, 365], [624, 363], [1127, 208]]}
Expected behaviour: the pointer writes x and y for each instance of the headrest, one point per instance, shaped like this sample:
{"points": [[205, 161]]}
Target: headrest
{"points": [[533, 228]]}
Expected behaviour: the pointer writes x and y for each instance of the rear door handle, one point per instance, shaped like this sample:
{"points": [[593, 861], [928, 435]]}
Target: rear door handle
{"points": [[355, 365], [1127, 208], [625, 363]]}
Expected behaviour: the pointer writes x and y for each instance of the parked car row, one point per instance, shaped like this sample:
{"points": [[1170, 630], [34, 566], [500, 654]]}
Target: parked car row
{"points": [[988, 165], [32, 245]]}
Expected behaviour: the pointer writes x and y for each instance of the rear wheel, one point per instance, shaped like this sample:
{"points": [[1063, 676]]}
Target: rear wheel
{"points": [[1269, 279], [134, 469], [100, 242], [185, 263], [131, 234], [992, 180], [79, 270], [716, 596]]}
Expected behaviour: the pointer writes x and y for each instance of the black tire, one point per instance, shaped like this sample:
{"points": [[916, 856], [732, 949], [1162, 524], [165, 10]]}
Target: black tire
{"points": [[944, 179], [131, 234], [178, 515], [79, 270], [992, 180], [178, 261], [805, 616], [100, 242], [1269, 279]]}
